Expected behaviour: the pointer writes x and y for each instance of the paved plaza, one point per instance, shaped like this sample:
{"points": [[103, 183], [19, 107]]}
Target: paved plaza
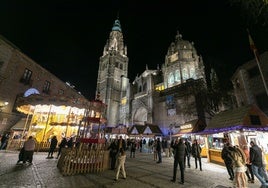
{"points": [[142, 172]]}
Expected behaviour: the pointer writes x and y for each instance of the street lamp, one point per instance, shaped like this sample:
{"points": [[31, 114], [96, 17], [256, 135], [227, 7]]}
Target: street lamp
{"points": [[3, 105]]}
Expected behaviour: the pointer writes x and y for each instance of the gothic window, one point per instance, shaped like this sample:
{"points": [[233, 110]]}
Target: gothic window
{"points": [[121, 66], [144, 87], [171, 78], [140, 89], [177, 76], [103, 66], [192, 73], [184, 74]]}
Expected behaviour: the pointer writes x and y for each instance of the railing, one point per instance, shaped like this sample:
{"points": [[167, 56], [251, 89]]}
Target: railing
{"points": [[87, 158]]}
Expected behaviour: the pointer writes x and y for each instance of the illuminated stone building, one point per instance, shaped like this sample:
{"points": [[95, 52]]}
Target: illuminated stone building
{"points": [[164, 97], [169, 97], [22, 76], [112, 82]]}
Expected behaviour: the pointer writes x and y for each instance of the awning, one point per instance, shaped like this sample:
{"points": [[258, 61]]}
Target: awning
{"points": [[22, 124], [247, 118]]}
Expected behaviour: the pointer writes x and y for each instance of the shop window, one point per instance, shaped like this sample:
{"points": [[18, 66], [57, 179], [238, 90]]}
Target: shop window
{"points": [[255, 120]]}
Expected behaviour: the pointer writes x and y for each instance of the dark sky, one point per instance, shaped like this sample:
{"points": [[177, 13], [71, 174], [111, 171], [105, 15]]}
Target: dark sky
{"points": [[67, 36]]}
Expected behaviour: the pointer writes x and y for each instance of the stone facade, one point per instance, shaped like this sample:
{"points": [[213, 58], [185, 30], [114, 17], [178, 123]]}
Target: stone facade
{"points": [[112, 82], [248, 84]]}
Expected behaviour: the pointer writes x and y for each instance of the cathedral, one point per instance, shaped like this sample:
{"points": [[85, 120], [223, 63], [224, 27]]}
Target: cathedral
{"points": [[167, 96]]}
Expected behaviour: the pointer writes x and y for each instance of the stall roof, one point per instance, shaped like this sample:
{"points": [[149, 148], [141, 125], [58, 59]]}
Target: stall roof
{"points": [[22, 124], [248, 117], [147, 129]]}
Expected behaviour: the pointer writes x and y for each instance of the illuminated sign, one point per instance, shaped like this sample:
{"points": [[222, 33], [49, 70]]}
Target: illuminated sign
{"points": [[186, 126]]}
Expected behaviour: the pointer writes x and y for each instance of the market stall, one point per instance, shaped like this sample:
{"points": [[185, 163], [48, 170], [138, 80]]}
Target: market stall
{"points": [[190, 131], [238, 126]]}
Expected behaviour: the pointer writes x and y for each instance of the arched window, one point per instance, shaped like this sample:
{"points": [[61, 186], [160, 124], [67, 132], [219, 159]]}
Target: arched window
{"points": [[192, 73], [171, 78], [145, 87], [177, 76], [184, 74], [140, 89]]}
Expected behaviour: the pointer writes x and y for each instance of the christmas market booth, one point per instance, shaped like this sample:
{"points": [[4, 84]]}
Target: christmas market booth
{"points": [[190, 130], [51, 116], [237, 126], [73, 119]]}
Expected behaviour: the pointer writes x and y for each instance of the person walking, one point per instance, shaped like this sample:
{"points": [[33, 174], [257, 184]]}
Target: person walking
{"points": [[113, 152], [133, 145], [52, 147], [159, 150], [188, 151], [121, 164], [196, 152], [62, 144], [255, 154], [179, 153], [249, 171], [29, 147], [226, 156], [239, 161]]}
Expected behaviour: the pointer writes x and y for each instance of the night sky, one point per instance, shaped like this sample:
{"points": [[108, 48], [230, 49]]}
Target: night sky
{"points": [[67, 37]]}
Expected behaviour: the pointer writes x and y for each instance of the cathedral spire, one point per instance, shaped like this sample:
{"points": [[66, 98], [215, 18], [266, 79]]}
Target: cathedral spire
{"points": [[117, 26]]}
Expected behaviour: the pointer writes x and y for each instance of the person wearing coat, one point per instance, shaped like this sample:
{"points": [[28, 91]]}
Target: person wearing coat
{"points": [[179, 153], [113, 152], [196, 153], [62, 144], [121, 164], [226, 156], [29, 147], [52, 147]]}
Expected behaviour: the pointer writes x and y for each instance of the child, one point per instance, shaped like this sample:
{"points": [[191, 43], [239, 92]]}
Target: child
{"points": [[121, 164]]}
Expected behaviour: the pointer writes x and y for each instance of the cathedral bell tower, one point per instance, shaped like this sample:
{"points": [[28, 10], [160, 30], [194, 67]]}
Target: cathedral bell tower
{"points": [[113, 73]]}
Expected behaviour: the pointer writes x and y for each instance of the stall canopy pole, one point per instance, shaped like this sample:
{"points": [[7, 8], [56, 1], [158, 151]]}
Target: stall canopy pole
{"points": [[47, 123]]}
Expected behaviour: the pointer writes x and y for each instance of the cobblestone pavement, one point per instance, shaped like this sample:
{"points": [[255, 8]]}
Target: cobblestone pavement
{"points": [[142, 172]]}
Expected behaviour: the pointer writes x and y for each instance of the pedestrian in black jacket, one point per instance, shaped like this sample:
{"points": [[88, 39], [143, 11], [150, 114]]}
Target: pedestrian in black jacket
{"points": [[62, 144], [179, 153], [196, 152], [188, 152], [256, 161], [113, 153], [226, 156], [53, 145]]}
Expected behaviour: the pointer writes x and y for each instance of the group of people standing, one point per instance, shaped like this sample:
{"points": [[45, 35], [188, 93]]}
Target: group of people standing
{"points": [[243, 164], [182, 151]]}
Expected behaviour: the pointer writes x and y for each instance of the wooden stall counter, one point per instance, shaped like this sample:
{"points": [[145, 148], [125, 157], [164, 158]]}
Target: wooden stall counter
{"points": [[215, 156]]}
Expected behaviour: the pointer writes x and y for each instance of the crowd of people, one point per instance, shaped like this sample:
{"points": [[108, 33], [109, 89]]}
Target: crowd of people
{"points": [[243, 163]]}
